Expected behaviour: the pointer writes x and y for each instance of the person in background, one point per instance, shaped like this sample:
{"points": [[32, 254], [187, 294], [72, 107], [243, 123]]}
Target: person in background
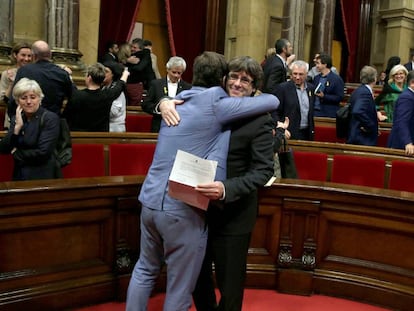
{"points": [[140, 67], [169, 86], [88, 109], [232, 215], [55, 81], [276, 67], [297, 103], [21, 55], [171, 230], [154, 59], [313, 72], [32, 136], [111, 54], [381, 78], [364, 121], [269, 53], [329, 88], [395, 85], [410, 63], [402, 131], [117, 115]]}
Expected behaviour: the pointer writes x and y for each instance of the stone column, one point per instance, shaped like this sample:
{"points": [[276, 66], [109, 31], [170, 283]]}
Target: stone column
{"points": [[6, 30], [62, 25], [293, 25], [323, 26]]}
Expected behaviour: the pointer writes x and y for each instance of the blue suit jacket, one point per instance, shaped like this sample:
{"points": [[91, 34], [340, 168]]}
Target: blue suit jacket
{"points": [[402, 131], [333, 94], [201, 132], [364, 121]]}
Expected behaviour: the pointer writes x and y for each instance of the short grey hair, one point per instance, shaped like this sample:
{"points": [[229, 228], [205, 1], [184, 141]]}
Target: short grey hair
{"points": [[25, 85], [176, 61], [368, 75], [300, 64]]}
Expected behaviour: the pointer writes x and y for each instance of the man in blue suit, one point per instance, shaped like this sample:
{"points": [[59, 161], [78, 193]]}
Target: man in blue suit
{"points": [[364, 120], [171, 230], [402, 131]]}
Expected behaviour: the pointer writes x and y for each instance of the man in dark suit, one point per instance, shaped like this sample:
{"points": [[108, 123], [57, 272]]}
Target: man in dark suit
{"points": [[111, 53], [364, 120], [231, 220], [275, 68], [409, 65], [169, 86], [297, 102]]}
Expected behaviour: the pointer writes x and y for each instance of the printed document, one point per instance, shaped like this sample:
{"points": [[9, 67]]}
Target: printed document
{"points": [[189, 171]]}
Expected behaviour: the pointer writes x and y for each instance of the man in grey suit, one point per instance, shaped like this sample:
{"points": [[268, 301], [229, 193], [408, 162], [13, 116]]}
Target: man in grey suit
{"points": [[171, 230]]}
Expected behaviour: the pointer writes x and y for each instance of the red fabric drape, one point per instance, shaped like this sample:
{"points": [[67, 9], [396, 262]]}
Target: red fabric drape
{"points": [[186, 33], [350, 16], [117, 20]]}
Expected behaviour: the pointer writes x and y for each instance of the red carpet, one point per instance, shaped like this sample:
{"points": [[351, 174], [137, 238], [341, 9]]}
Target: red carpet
{"points": [[263, 300]]}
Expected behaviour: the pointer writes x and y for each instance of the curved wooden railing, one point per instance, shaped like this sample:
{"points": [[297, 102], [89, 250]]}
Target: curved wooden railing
{"points": [[71, 243]]}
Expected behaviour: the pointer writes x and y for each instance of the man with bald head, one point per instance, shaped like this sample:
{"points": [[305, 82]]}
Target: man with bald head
{"points": [[55, 82]]}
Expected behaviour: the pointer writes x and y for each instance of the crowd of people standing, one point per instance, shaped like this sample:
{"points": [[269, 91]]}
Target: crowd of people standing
{"points": [[229, 113]]}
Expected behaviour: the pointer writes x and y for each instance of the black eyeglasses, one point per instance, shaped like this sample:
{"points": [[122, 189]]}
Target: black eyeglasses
{"points": [[243, 80]]}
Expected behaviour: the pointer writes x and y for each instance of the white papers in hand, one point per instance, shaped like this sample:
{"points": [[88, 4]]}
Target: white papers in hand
{"points": [[189, 171]]}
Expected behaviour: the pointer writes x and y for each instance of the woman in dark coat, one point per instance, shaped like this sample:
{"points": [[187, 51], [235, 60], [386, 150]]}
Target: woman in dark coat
{"points": [[32, 135]]}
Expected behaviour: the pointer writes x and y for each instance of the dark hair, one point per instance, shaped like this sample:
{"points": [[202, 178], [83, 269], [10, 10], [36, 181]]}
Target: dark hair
{"points": [[410, 76], [250, 66], [280, 44], [116, 69], [147, 43], [392, 61], [325, 59], [139, 42], [209, 68], [110, 45]]}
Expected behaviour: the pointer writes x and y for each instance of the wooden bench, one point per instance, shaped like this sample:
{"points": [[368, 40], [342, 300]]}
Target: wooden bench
{"points": [[74, 242]]}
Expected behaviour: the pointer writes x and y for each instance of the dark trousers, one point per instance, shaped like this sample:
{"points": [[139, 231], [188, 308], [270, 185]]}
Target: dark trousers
{"points": [[229, 254]]}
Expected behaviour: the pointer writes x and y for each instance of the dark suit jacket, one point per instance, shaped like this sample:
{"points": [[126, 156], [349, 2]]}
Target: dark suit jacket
{"points": [[109, 57], [409, 66], [290, 107], [249, 166], [141, 72], [274, 73], [54, 81], [159, 89], [364, 115], [402, 131], [34, 157], [333, 91]]}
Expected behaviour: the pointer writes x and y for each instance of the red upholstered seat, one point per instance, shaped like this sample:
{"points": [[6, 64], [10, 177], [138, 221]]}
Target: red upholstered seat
{"points": [[130, 159], [401, 177], [327, 134], [383, 139], [6, 167], [356, 170], [88, 160], [311, 165], [138, 123]]}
